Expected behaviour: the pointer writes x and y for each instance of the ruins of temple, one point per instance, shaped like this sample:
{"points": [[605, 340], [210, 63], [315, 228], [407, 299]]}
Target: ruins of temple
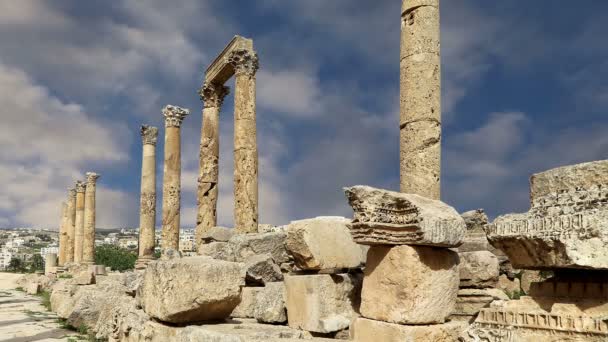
{"points": [[405, 267]]}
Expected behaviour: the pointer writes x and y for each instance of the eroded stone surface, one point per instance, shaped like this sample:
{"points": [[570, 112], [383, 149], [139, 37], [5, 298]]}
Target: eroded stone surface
{"points": [[323, 243], [475, 237], [261, 269], [471, 301], [478, 269], [392, 218], [191, 289], [366, 330], [248, 245], [217, 250], [322, 303], [409, 284]]}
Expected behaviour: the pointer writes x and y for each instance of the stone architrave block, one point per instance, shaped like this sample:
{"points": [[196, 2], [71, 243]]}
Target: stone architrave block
{"points": [[567, 225], [367, 330], [191, 289], [385, 217], [410, 284], [323, 243], [322, 303], [478, 269]]}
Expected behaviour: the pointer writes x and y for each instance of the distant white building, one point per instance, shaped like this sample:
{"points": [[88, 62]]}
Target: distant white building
{"points": [[46, 250], [5, 258]]}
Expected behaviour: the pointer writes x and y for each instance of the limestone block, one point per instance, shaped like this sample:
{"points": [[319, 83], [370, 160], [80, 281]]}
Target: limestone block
{"points": [[62, 301], [132, 280], [529, 277], [366, 330], [248, 245], [91, 300], [33, 289], [86, 277], [270, 305], [218, 234], [217, 250], [409, 284], [261, 269], [478, 269], [385, 217], [191, 289], [247, 305], [243, 330], [509, 286], [322, 303], [471, 301], [323, 243], [475, 237]]}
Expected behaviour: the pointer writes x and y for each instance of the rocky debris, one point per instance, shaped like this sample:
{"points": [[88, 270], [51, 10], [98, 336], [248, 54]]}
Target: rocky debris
{"points": [[322, 303], [385, 217], [269, 228], [62, 298], [170, 254], [33, 288], [85, 277], [90, 301], [366, 330], [528, 277], [471, 301], [46, 283], [478, 269], [510, 286], [218, 234], [323, 243], [217, 250], [247, 305], [132, 280], [261, 269], [111, 315], [191, 289], [270, 304], [410, 284], [248, 245]]}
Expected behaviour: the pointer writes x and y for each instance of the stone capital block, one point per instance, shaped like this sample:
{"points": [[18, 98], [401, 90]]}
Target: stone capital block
{"points": [[410, 284], [322, 303], [385, 217]]}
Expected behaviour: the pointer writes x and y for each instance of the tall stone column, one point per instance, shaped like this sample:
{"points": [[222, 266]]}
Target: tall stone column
{"points": [[245, 63], [420, 98], [63, 234], [213, 96], [147, 207], [171, 177], [79, 223], [88, 249], [70, 225]]}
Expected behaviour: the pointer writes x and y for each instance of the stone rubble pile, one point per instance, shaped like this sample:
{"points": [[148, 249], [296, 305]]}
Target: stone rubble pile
{"points": [[411, 277]]}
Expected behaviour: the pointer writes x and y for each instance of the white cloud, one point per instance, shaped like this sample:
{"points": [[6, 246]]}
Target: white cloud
{"points": [[292, 93]]}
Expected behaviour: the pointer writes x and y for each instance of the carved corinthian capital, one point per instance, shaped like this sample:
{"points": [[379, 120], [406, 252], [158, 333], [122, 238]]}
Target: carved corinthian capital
{"points": [[71, 193], [92, 178], [81, 186], [244, 62], [213, 94], [174, 115], [149, 134]]}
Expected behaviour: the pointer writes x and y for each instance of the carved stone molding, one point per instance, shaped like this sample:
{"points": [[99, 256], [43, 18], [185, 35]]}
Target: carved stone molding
{"points": [[149, 134], [71, 193], [245, 62], [213, 94], [174, 115], [92, 178], [81, 186]]}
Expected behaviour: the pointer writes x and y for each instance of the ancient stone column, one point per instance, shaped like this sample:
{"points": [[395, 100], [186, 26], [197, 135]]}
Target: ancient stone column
{"points": [[245, 63], [70, 225], [171, 177], [88, 249], [63, 236], [79, 223], [147, 207], [50, 263], [420, 98], [213, 96]]}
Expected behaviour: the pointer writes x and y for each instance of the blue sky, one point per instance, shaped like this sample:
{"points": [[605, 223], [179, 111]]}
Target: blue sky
{"points": [[525, 89]]}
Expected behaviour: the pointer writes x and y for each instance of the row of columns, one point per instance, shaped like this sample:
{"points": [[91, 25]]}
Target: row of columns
{"points": [[77, 228]]}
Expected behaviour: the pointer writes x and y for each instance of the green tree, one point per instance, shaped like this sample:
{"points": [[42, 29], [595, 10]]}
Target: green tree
{"points": [[37, 263], [16, 265], [119, 259]]}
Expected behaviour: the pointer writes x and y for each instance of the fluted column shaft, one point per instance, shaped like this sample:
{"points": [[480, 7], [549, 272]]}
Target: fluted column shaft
{"points": [[208, 178], [63, 235], [79, 225], [245, 142], [70, 225], [147, 208], [420, 98], [171, 177], [88, 249]]}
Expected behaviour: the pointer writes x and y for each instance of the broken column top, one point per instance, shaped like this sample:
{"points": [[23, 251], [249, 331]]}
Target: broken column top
{"points": [[221, 69], [567, 225], [92, 177], [149, 134], [81, 186], [385, 217], [174, 115]]}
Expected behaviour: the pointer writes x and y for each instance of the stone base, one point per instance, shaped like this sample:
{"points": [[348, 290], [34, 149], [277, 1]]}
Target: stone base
{"points": [[366, 330]]}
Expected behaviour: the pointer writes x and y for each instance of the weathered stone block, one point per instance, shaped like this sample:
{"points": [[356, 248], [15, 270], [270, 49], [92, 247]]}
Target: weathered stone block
{"points": [[322, 303], [33, 288], [218, 234], [323, 243], [478, 269], [509, 286], [409, 284], [475, 237], [366, 330], [86, 277], [248, 245], [261, 269], [191, 289], [249, 300], [217, 250], [385, 217], [270, 305], [471, 301]]}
